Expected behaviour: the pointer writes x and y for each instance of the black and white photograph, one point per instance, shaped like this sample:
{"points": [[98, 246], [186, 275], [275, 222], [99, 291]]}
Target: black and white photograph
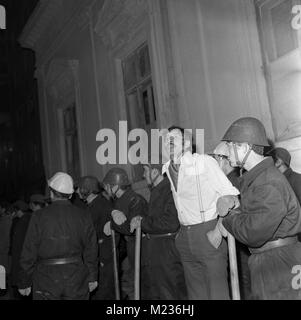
{"points": [[150, 150]]}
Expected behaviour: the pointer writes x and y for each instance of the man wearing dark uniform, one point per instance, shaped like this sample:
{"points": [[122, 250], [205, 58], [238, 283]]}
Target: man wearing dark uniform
{"points": [[59, 256], [160, 226], [127, 204], [268, 218], [100, 209], [282, 159]]}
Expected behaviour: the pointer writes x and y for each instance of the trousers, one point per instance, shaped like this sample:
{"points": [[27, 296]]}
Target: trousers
{"points": [[205, 267]]}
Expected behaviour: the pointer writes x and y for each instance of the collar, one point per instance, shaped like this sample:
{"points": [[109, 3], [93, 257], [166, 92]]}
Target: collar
{"points": [[251, 175], [186, 159], [161, 185], [288, 172], [91, 198]]}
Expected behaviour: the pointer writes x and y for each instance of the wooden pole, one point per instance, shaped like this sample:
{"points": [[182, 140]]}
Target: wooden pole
{"points": [[233, 268], [116, 275], [137, 262]]}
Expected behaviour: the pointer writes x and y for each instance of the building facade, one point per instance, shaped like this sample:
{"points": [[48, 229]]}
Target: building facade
{"points": [[154, 63]]}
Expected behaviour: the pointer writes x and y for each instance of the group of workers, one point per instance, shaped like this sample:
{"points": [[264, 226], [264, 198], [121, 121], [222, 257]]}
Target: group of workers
{"points": [[75, 247]]}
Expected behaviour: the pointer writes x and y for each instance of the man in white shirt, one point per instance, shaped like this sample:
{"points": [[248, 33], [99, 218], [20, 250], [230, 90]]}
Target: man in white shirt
{"points": [[197, 182]]}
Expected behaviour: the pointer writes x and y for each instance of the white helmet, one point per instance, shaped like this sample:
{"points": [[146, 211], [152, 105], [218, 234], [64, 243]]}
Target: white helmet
{"points": [[61, 182], [222, 149]]}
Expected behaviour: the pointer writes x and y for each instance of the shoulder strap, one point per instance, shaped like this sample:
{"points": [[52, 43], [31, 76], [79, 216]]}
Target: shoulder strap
{"points": [[199, 193]]}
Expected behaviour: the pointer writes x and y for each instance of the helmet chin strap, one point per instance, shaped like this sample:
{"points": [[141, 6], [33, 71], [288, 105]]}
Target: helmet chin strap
{"points": [[243, 162], [114, 194]]}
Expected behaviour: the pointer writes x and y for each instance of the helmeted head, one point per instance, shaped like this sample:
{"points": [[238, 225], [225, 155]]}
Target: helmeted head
{"points": [[281, 156], [37, 202], [244, 136], [61, 185], [222, 154], [20, 207], [115, 180], [88, 185]]}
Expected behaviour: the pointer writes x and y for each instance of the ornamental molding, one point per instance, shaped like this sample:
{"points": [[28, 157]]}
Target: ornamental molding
{"points": [[50, 24], [60, 81], [120, 21]]}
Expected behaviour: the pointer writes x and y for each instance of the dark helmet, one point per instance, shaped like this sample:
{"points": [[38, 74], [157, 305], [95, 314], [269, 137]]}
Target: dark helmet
{"points": [[117, 176], [89, 184], [282, 154], [249, 130]]}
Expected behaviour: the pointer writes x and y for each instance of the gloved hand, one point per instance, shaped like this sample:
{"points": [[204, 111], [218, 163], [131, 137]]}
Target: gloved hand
{"points": [[118, 217], [216, 235], [93, 286], [25, 292], [135, 223], [225, 204], [107, 229]]}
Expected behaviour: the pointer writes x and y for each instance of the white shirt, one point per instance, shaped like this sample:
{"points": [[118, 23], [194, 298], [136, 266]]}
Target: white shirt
{"points": [[200, 183]]}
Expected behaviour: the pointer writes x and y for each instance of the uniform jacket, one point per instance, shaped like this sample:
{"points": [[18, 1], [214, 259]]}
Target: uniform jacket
{"points": [[294, 179], [100, 209], [162, 214], [132, 205], [60, 230], [18, 238], [269, 208]]}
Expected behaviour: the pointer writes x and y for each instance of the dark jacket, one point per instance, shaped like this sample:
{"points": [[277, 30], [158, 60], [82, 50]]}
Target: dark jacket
{"points": [[100, 209], [294, 179], [60, 230], [162, 214], [131, 204], [5, 225], [18, 238], [269, 208]]}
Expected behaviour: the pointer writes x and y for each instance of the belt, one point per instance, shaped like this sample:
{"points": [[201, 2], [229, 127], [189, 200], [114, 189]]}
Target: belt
{"points": [[156, 236], [60, 261], [274, 244]]}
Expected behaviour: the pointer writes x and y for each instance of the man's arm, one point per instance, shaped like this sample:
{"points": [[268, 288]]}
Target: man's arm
{"points": [[137, 207], [166, 221], [218, 179], [29, 254], [264, 216], [91, 250]]}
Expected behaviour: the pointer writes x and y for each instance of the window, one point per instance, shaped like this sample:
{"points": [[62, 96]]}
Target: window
{"points": [[139, 94], [279, 36], [71, 141]]}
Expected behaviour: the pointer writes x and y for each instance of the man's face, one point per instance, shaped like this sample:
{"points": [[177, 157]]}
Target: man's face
{"points": [[174, 144], [110, 190], [241, 152]]}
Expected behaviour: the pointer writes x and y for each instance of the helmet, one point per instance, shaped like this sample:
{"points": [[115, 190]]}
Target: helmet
{"points": [[282, 154], [117, 176], [38, 198], [221, 150], [61, 182], [249, 130], [89, 183], [21, 205]]}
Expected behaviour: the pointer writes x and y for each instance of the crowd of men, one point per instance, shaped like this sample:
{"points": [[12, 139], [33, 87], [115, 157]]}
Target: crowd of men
{"points": [[80, 244]]}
